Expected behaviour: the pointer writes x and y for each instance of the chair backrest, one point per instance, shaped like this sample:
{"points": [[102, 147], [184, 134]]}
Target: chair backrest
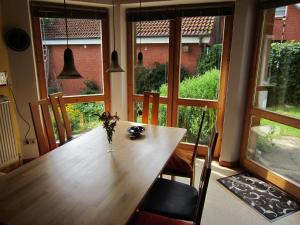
{"points": [[61, 117], [42, 125], [155, 106], [199, 134], [205, 175]]}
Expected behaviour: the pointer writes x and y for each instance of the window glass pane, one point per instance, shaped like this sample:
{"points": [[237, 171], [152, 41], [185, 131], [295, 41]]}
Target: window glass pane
{"points": [[190, 117], [276, 147], [152, 39], [201, 52], [278, 83], [82, 116], [280, 11], [86, 43], [162, 113]]}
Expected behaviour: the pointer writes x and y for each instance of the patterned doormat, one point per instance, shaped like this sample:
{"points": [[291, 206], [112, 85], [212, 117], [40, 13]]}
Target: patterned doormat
{"points": [[267, 199]]}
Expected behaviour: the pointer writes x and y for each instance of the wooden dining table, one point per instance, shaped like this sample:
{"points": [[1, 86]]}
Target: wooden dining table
{"points": [[81, 182]]}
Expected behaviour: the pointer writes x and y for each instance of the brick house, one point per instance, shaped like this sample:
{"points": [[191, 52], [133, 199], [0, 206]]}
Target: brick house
{"points": [[290, 16]]}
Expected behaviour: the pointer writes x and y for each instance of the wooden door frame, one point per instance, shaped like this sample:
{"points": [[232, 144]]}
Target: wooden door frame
{"points": [[39, 59], [173, 85], [251, 111]]}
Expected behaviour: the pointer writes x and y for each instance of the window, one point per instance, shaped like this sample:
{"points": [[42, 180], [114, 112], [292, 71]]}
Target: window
{"points": [[280, 12], [85, 40], [272, 131], [184, 62], [88, 39]]}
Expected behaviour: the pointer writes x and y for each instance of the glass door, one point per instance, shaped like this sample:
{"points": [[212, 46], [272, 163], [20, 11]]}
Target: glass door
{"points": [[271, 145]]}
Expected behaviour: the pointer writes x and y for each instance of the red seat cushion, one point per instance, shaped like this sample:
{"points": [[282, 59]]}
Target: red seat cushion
{"points": [[181, 161], [145, 218]]}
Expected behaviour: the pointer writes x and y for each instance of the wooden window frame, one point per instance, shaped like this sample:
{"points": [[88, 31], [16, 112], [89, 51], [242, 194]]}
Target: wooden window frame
{"points": [[253, 111], [173, 78], [43, 93]]}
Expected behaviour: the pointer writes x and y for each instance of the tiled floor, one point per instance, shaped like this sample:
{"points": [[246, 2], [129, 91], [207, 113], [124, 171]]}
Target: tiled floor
{"points": [[224, 208]]}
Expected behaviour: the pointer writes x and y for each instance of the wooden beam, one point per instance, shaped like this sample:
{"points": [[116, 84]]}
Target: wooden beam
{"points": [[198, 102], [106, 60], [39, 57], [223, 80], [84, 98], [276, 117], [176, 70], [130, 61]]}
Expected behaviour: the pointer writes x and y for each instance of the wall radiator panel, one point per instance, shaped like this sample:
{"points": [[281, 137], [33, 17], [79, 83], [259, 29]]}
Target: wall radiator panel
{"points": [[8, 150]]}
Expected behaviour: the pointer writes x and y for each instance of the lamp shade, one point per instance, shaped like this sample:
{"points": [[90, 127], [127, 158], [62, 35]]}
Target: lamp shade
{"points": [[140, 62], [69, 71], [114, 64]]}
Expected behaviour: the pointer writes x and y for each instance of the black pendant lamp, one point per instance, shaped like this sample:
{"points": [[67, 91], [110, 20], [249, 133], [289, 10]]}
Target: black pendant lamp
{"points": [[69, 71], [140, 62], [114, 64]]}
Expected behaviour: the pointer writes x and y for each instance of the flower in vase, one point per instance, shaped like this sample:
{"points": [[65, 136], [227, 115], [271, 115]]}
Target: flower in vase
{"points": [[109, 123]]}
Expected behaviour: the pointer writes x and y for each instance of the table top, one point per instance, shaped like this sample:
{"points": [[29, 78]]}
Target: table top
{"points": [[81, 183]]}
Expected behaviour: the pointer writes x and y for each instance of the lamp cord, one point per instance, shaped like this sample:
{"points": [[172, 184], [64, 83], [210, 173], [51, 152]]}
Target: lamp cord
{"points": [[114, 25], [66, 23], [19, 113]]}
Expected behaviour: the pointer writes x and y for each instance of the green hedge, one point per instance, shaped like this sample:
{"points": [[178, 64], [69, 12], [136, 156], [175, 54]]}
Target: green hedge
{"points": [[200, 87], [284, 68], [150, 79], [209, 59]]}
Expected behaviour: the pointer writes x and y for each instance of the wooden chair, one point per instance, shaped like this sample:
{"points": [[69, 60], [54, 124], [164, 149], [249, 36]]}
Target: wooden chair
{"points": [[177, 200], [61, 117], [155, 107], [182, 162], [42, 125], [146, 218]]}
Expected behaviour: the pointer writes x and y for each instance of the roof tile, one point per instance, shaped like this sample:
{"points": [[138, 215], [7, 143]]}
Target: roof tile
{"points": [[87, 28]]}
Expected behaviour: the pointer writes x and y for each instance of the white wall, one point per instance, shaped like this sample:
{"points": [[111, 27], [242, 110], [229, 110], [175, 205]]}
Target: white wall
{"points": [[22, 69], [119, 80], [240, 57]]}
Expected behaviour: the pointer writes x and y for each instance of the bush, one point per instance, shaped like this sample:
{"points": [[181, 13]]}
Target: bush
{"points": [[90, 88], [81, 115], [284, 68], [209, 59], [200, 87], [150, 79]]}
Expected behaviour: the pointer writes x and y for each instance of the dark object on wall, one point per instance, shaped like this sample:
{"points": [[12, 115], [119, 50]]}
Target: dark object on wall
{"points": [[17, 39]]}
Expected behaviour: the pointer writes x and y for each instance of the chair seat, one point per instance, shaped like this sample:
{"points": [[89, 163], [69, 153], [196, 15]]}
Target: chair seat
{"points": [[145, 218], [181, 163], [171, 199]]}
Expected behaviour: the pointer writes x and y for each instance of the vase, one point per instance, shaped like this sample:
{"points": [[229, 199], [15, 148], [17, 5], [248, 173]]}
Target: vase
{"points": [[110, 147]]}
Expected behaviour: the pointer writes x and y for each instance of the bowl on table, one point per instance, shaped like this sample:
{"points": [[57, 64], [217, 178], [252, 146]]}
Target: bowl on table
{"points": [[136, 131]]}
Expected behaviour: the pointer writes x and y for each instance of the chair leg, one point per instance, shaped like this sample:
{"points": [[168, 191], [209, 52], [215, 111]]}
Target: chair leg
{"points": [[192, 179], [172, 177]]}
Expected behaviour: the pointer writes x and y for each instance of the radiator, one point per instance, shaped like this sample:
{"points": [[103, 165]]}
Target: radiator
{"points": [[8, 150]]}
